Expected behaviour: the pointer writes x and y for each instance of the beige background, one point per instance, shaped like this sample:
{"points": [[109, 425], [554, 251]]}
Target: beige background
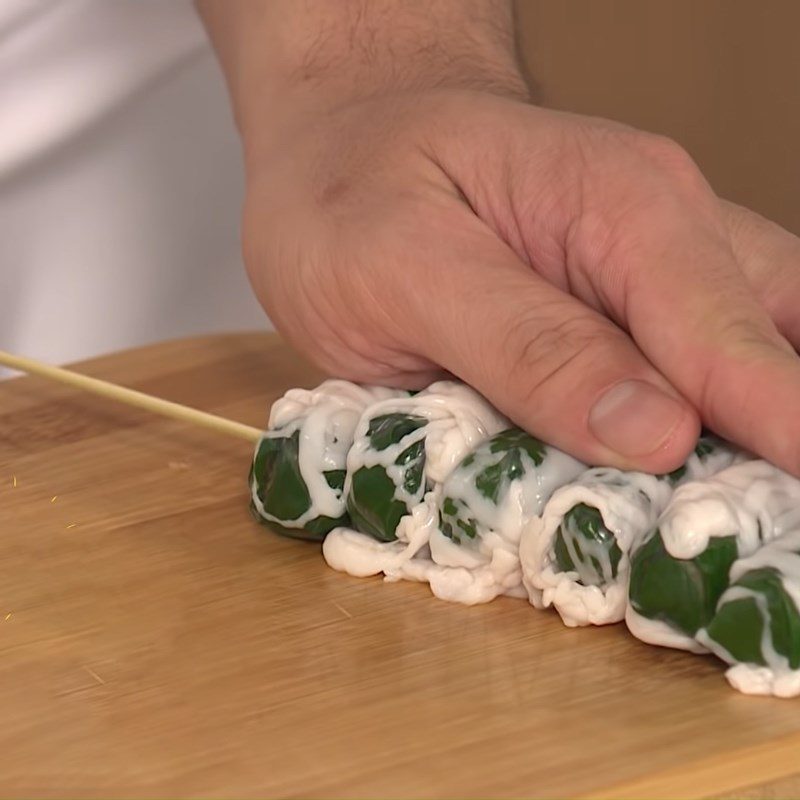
{"points": [[719, 76]]}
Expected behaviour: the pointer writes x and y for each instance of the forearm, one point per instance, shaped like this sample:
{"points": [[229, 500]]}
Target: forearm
{"points": [[284, 55]]}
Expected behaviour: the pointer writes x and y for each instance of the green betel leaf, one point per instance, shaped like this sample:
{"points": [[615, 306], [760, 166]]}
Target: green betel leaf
{"points": [[455, 522], [489, 481], [517, 439], [413, 460], [449, 507], [283, 492], [315, 530], [447, 529], [372, 506], [372, 503], [582, 532], [468, 527], [388, 429], [681, 592], [512, 443], [705, 446], [738, 625], [335, 479], [676, 474], [504, 458], [281, 487]]}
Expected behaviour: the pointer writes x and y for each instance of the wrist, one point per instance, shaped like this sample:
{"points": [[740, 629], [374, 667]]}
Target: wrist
{"points": [[290, 61]]}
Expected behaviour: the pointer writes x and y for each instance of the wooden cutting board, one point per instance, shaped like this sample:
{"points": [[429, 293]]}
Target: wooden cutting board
{"points": [[155, 641]]}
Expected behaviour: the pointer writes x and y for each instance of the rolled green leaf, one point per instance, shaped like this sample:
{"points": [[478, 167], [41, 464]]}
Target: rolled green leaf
{"points": [[405, 447], [283, 493], [577, 556], [298, 472], [482, 507], [584, 545], [382, 494], [478, 487], [680, 592], [403, 450], [756, 626], [681, 570]]}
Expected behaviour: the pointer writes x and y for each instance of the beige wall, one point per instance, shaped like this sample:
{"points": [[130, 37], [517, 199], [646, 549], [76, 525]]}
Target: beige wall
{"points": [[720, 76]]}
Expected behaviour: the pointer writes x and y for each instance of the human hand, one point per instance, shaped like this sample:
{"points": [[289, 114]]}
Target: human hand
{"points": [[582, 275]]}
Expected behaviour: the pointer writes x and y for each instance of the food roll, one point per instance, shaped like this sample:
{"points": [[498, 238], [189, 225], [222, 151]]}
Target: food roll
{"points": [[404, 448], [756, 625], [576, 556], [681, 569], [298, 471], [482, 507]]}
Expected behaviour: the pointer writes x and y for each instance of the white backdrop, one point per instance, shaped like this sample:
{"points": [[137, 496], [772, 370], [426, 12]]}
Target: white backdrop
{"points": [[120, 180]]}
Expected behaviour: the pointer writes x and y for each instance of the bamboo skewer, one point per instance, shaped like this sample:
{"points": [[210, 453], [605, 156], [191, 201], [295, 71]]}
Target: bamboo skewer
{"points": [[131, 397]]}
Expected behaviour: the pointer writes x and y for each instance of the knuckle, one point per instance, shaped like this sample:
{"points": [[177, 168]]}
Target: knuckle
{"points": [[671, 160], [651, 190], [663, 150]]}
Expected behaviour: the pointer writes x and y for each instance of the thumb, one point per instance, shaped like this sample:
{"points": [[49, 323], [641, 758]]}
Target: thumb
{"points": [[553, 365]]}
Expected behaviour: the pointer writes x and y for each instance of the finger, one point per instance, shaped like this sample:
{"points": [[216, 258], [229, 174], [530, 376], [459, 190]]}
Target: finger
{"points": [[554, 366], [692, 312], [769, 257]]}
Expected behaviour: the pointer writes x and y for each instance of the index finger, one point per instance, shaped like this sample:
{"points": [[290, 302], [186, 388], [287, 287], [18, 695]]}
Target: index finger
{"points": [[693, 313]]}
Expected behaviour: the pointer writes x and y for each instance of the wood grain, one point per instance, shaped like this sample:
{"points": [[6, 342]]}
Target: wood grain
{"points": [[156, 641]]}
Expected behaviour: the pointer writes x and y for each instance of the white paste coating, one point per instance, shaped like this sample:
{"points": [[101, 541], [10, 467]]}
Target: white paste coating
{"points": [[753, 500], [474, 571], [751, 679], [360, 555], [459, 419], [629, 503], [493, 555], [758, 503], [777, 677], [326, 418], [722, 456], [653, 631]]}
